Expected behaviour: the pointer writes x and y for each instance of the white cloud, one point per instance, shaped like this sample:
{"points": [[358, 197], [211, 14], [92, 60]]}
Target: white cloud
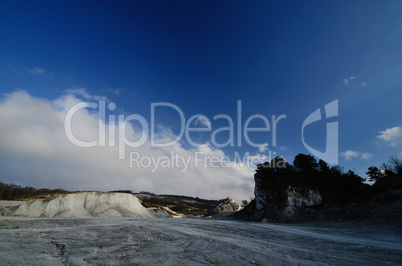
{"points": [[367, 156], [347, 81], [82, 93], [37, 71], [349, 155], [392, 136], [35, 151], [351, 82], [263, 148], [202, 120], [116, 91]]}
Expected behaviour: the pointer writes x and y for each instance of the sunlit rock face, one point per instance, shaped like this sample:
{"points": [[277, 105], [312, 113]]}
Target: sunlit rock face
{"points": [[294, 205], [296, 201], [223, 206]]}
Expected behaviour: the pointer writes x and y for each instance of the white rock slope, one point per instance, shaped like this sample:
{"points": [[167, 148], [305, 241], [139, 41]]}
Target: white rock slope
{"points": [[88, 204], [224, 206]]}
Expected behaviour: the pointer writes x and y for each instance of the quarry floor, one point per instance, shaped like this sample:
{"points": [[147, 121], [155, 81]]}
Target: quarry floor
{"points": [[128, 241]]}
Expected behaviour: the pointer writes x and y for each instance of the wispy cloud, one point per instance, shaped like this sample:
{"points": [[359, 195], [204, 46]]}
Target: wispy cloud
{"points": [[263, 148], [363, 84], [348, 81], [82, 93], [367, 156], [351, 82], [391, 136], [116, 91], [349, 155], [37, 71]]}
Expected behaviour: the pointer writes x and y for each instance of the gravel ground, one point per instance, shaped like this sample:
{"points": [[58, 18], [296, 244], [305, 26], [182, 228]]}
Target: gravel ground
{"points": [[123, 241]]}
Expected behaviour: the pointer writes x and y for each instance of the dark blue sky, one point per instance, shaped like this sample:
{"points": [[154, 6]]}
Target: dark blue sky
{"points": [[277, 57]]}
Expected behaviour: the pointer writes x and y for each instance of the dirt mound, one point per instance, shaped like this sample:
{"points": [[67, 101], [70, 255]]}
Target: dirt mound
{"points": [[88, 204]]}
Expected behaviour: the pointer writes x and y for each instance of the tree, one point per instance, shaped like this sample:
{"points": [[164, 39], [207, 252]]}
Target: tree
{"points": [[305, 163], [394, 166], [336, 170], [323, 167], [375, 174], [279, 164], [352, 175]]}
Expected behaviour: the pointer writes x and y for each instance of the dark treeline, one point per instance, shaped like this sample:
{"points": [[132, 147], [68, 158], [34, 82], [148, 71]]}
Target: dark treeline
{"points": [[333, 183], [13, 192]]}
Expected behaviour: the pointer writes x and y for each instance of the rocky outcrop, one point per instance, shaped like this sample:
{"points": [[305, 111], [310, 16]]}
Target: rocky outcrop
{"points": [[283, 206], [297, 202], [261, 195], [224, 206], [290, 205], [302, 204]]}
